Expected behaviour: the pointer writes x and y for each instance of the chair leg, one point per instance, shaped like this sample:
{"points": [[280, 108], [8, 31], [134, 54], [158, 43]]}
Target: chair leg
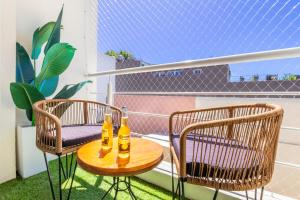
{"points": [[216, 194], [255, 194], [67, 168], [59, 177], [176, 192], [70, 170], [49, 177], [172, 171], [75, 167], [262, 193], [179, 189], [247, 195], [182, 189], [60, 170]]}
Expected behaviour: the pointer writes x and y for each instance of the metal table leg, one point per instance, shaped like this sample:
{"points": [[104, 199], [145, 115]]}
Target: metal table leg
{"points": [[116, 186]]}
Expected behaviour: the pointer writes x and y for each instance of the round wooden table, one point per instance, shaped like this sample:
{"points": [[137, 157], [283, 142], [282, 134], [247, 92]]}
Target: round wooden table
{"points": [[144, 156]]}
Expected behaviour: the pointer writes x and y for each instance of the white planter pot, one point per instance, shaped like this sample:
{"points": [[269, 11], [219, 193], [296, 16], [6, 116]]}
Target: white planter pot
{"points": [[30, 159]]}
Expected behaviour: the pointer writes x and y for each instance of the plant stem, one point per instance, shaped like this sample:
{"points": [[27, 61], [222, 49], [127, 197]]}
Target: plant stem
{"points": [[34, 68]]}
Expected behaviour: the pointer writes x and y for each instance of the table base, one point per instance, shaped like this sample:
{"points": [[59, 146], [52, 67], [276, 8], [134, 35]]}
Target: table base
{"points": [[116, 186]]}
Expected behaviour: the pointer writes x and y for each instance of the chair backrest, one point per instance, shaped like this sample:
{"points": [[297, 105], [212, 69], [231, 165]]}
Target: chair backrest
{"points": [[77, 112], [52, 115], [231, 146]]}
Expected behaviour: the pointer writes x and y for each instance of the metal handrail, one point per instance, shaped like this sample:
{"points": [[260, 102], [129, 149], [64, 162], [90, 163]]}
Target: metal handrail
{"points": [[232, 59]]}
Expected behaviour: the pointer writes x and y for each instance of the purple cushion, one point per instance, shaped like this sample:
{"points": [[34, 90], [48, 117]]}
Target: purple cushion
{"points": [[73, 135], [214, 154]]}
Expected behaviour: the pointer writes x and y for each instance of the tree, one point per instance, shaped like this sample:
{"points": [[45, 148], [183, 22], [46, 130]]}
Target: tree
{"points": [[112, 53], [289, 77], [126, 55], [123, 55]]}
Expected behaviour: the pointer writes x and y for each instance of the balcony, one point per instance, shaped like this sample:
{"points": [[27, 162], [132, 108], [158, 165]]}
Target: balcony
{"points": [[247, 53]]}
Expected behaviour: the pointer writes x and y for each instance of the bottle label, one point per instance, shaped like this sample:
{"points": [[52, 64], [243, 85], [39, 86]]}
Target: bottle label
{"points": [[124, 144]]}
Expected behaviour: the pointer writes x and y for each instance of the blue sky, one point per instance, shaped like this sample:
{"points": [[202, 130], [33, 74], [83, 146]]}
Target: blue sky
{"points": [[162, 31]]}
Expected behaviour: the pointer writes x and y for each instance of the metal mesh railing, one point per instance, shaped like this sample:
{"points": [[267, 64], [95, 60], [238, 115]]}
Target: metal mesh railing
{"points": [[158, 32]]}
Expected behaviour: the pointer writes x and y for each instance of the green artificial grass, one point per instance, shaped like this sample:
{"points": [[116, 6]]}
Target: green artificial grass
{"points": [[85, 186]]}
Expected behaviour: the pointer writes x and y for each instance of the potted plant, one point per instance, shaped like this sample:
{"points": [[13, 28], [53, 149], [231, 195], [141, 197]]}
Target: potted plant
{"points": [[35, 83]]}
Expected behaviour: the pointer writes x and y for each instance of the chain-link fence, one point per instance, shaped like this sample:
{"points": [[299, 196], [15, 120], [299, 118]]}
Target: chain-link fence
{"points": [[157, 32], [151, 99]]}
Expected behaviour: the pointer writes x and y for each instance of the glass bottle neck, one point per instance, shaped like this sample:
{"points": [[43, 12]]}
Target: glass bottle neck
{"points": [[124, 121], [108, 118]]}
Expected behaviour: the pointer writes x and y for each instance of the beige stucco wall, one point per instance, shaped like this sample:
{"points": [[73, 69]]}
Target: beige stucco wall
{"points": [[7, 74]]}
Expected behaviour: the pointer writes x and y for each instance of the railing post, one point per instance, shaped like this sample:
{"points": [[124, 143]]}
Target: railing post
{"points": [[109, 97]]}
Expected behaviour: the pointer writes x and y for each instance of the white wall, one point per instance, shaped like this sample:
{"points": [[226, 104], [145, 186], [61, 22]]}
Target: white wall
{"points": [[7, 75], [18, 20], [32, 14], [91, 42], [96, 61], [105, 63]]}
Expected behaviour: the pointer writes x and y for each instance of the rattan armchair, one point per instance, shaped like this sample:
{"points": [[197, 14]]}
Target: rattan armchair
{"points": [[230, 148], [63, 125]]}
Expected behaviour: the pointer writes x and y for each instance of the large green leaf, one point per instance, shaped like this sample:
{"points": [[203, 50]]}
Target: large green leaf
{"points": [[29, 114], [24, 71], [56, 61], [48, 86], [41, 36], [55, 34], [24, 95], [69, 90]]}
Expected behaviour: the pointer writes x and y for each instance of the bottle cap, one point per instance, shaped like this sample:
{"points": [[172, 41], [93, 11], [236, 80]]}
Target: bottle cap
{"points": [[124, 111]]}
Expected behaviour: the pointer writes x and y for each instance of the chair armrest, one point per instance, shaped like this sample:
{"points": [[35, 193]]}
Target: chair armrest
{"points": [[48, 131]]}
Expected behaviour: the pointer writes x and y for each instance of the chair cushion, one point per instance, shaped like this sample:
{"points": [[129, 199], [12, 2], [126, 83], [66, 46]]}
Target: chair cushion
{"points": [[73, 135], [216, 156]]}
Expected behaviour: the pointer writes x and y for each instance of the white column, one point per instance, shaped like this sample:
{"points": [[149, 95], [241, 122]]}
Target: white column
{"points": [[7, 75]]}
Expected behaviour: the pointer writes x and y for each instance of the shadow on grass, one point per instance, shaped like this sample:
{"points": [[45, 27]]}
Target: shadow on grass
{"points": [[147, 185], [143, 190], [82, 189]]}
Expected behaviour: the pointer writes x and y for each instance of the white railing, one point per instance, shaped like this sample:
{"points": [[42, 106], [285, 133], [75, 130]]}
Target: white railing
{"points": [[232, 59], [225, 60]]}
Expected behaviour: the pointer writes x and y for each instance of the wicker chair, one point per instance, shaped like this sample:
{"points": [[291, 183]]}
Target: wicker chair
{"points": [[62, 126], [230, 148]]}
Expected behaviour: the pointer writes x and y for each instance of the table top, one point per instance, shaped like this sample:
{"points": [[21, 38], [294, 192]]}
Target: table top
{"points": [[144, 156]]}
